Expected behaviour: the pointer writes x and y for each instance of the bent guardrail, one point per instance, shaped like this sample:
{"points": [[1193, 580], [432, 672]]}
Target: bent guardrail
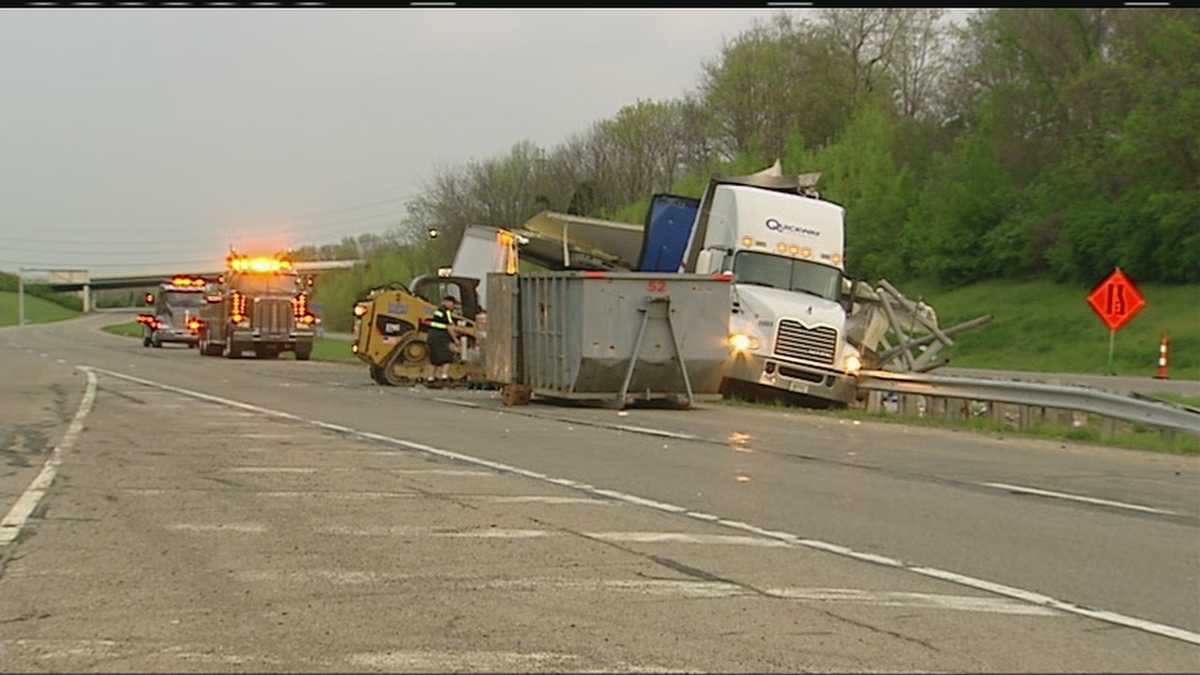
{"points": [[1035, 395]]}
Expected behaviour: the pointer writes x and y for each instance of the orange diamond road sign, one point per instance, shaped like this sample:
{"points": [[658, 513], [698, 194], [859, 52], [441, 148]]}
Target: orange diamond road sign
{"points": [[1116, 300]]}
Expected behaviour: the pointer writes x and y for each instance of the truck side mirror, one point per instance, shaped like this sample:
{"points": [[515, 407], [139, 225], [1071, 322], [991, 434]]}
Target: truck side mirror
{"points": [[709, 261], [149, 298], [848, 295]]}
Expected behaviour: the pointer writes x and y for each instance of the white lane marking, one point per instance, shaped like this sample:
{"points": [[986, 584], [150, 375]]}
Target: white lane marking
{"points": [[315, 494], [684, 538], [538, 499], [372, 530], [270, 436], [272, 469], [1077, 498], [59, 361], [1000, 589], [465, 404], [218, 527], [442, 472], [329, 576], [723, 589], [497, 533], [332, 494], [652, 432], [964, 603], [19, 514], [458, 661], [511, 533]]}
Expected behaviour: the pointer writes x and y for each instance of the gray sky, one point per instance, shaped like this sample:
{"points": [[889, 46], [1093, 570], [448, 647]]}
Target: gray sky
{"points": [[131, 139], [144, 136]]}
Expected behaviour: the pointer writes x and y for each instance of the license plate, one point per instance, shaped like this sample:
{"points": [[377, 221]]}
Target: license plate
{"points": [[798, 387]]}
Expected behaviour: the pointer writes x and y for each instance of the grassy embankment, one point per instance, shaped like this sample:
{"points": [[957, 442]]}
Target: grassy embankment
{"points": [[1043, 326], [37, 310]]}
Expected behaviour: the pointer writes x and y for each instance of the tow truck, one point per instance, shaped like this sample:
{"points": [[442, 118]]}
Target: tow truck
{"points": [[176, 312], [260, 303]]}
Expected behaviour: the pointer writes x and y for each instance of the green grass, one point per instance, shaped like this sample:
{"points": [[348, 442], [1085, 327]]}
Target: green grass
{"points": [[132, 329], [37, 310], [324, 349], [1043, 326]]}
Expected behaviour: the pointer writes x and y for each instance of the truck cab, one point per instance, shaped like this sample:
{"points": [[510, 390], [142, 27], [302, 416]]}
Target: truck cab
{"points": [[260, 304], [782, 245], [787, 316], [175, 314]]}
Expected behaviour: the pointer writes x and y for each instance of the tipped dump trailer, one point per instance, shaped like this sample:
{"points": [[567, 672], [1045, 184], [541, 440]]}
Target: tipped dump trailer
{"points": [[608, 338]]}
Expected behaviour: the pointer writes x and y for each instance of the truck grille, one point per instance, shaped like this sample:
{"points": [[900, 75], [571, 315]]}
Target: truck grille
{"points": [[272, 316], [797, 341]]}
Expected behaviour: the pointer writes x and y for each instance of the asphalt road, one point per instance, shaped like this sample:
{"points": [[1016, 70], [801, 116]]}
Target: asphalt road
{"points": [[205, 514]]}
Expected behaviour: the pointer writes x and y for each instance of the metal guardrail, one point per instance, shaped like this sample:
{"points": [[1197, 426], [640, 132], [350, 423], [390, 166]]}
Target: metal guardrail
{"points": [[1083, 399]]}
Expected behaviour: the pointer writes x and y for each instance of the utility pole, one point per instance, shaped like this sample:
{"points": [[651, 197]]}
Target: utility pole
{"points": [[20, 296]]}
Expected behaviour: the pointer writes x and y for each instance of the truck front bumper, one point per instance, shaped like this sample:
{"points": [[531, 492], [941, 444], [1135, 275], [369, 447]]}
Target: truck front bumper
{"points": [[796, 378], [288, 340], [165, 335]]}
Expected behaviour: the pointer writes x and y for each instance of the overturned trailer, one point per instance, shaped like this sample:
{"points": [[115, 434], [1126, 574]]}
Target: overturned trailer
{"points": [[608, 338]]}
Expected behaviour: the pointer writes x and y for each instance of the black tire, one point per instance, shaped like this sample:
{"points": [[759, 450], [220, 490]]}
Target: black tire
{"points": [[207, 348], [155, 342], [231, 350], [145, 340], [377, 375], [303, 352], [389, 377]]}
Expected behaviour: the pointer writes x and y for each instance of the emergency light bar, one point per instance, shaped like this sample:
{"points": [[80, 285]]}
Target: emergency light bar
{"points": [[258, 264], [188, 282]]}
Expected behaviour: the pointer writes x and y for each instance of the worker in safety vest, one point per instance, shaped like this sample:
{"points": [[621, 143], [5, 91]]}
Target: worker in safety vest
{"points": [[443, 340]]}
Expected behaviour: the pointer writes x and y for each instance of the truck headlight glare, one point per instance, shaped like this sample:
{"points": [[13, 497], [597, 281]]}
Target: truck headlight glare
{"points": [[742, 342], [853, 364]]}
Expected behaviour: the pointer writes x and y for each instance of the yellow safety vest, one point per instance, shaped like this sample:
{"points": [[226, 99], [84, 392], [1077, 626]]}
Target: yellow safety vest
{"points": [[442, 319]]}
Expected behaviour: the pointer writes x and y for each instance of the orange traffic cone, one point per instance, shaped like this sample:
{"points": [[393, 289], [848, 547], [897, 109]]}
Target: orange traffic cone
{"points": [[1162, 359]]}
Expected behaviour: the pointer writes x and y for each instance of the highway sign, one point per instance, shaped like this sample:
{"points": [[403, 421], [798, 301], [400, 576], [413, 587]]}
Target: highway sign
{"points": [[1115, 300]]}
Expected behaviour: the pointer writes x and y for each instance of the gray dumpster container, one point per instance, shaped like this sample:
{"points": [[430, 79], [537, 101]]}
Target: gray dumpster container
{"points": [[609, 337]]}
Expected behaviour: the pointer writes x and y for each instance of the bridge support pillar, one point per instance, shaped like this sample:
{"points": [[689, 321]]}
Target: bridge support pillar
{"points": [[87, 298]]}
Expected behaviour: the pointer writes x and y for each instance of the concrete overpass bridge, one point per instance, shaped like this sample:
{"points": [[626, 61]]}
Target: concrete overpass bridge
{"points": [[81, 281]]}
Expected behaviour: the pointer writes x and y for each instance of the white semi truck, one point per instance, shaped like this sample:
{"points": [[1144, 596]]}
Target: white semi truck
{"points": [[784, 247]]}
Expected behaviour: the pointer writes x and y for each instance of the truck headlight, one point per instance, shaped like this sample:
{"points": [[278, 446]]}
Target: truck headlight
{"points": [[741, 342], [853, 364]]}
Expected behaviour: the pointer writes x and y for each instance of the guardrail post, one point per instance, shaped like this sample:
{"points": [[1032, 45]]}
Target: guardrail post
{"points": [[908, 405], [937, 407], [1108, 428], [874, 402]]}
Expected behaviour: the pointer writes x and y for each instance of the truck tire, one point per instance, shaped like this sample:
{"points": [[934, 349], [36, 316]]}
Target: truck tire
{"points": [[155, 342], [207, 348], [303, 352], [231, 350], [145, 340], [377, 375]]}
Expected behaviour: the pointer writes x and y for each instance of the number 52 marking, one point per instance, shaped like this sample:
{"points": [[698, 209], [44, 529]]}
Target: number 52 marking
{"points": [[656, 286]]}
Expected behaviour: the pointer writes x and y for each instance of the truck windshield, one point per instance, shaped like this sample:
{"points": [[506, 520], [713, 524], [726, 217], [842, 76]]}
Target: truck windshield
{"points": [[179, 299], [262, 284], [789, 274]]}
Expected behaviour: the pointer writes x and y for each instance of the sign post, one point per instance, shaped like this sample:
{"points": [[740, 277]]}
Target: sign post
{"points": [[1115, 300]]}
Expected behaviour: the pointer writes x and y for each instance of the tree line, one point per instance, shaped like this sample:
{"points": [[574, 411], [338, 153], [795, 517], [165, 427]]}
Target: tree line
{"points": [[1047, 142]]}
